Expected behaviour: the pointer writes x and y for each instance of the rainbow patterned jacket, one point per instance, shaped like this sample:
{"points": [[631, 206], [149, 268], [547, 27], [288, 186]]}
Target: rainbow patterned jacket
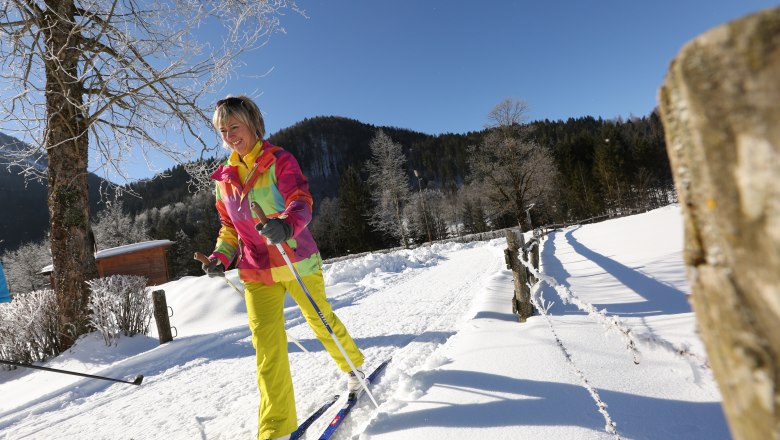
{"points": [[278, 185]]}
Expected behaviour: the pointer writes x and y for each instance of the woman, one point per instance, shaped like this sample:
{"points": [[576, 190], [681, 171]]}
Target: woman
{"points": [[257, 171]]}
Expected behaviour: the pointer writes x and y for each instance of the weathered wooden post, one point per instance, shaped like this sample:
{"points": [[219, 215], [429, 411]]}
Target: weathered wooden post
{"points": [[720, 107], [534, 256], [521, 300], [161, 316]]}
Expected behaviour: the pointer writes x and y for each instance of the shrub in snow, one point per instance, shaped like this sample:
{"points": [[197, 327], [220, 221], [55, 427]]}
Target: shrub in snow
{"points": [[28, 327], [119, 304]]}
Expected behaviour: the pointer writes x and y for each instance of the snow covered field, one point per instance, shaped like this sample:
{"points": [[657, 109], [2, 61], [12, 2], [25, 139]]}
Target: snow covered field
{"points": [[462, 366]]}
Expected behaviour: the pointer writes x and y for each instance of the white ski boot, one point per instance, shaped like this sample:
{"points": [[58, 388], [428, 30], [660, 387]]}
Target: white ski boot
{"points": [[354, 388]]}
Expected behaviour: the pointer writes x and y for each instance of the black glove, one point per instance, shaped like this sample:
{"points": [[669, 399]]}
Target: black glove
{"points": [[214, 268], [276, 230]]}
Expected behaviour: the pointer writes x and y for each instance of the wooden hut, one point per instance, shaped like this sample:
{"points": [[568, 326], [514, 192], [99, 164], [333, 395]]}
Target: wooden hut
{"points": [[146, 259]]}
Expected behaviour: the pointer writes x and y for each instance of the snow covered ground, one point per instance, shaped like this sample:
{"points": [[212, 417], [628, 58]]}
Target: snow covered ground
{"points": [[600, 365]]}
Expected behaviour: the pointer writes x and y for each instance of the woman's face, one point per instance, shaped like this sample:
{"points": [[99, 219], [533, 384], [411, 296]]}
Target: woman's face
{"points": [[238, 136]]}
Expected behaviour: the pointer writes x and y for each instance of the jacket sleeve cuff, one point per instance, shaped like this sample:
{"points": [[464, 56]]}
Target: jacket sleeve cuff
{"points": [[298, 215], [221, 257]]}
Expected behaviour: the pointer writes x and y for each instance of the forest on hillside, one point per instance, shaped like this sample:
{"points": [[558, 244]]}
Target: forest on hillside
{"points": [[597, 167]]}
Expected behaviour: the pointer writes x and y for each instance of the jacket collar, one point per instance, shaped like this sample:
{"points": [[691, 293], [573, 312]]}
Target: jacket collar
{"points": [[263, 161]]}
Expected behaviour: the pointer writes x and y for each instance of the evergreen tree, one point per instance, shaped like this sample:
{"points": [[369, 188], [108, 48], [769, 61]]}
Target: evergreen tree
{"points": [[474, 218], [355, 212], [325, 226], [180, 262]]}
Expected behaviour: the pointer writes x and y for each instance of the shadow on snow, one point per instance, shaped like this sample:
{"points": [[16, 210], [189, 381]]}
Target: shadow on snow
{"points": [[520, 402], [659, 298]]}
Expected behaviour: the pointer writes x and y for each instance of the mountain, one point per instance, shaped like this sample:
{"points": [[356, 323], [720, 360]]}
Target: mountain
{"points": [[24, 216], [12, 148], [325, 146], [592, 156]]}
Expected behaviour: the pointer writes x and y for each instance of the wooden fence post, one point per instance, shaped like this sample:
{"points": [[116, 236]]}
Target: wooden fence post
{"points": [[534, 256], [521, 299], [161, 316], [719, 108]]}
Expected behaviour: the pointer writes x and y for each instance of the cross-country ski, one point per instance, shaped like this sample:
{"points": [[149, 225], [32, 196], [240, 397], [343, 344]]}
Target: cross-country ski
{"points": [[352, 400], [313, 417]]}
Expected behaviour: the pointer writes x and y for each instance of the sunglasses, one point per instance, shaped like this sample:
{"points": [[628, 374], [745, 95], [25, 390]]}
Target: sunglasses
{"points": [[230, 102]]}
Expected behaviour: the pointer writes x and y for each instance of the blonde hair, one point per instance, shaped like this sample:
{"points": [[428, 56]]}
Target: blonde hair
{"points": [[242, 108]]}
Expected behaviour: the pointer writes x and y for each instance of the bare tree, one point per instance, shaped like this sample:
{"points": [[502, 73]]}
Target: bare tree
{"points": [[109, 77], [508, 112], [509, 167], [389, 186]]}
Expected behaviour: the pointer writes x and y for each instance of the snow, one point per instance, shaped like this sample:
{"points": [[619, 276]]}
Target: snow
{"points": [[462, 366], [128, 248]]}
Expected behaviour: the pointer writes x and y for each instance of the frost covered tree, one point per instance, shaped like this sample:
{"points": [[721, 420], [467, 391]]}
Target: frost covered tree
{"points": [[23, 266], [28, 327], [437, 206], [105, 78], [116, 228], [426, 216], [509, 167], [120, 305], [389, 184]]}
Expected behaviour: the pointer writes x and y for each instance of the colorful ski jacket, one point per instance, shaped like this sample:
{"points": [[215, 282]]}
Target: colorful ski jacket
{"points": [[278, 185]]}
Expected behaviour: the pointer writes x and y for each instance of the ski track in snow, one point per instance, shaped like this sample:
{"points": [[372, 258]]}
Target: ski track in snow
{"points": [[596, 362], [406, 322]]}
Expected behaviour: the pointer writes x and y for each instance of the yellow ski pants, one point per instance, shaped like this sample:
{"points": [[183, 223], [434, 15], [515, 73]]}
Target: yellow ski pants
{"points": [[265, 308]]}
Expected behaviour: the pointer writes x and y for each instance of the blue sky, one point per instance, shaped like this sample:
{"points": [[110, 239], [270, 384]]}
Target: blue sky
{"points": [[439, 66]]}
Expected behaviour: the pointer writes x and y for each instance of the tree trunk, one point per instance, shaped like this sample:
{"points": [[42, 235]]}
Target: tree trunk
{"points": [[67, 146], [400, 222]]}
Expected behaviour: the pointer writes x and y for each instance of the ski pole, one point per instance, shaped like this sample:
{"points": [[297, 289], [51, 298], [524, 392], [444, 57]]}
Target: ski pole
{"points": [[263, 219], [137, 380], [205, 260]]}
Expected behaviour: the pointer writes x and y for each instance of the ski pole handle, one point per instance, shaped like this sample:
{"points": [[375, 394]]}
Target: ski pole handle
{"points": [[202, 258], [259, 211], [205, 260]]}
